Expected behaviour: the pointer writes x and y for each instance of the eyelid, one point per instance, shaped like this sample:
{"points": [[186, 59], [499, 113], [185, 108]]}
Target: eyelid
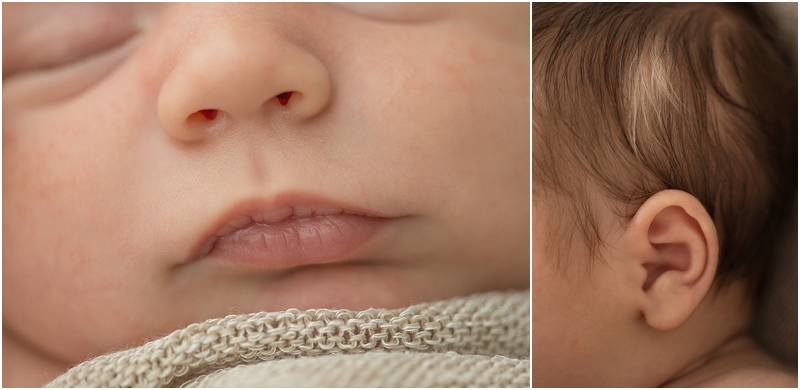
{"points": [[51, 35], [396, 12], [51, 85]]}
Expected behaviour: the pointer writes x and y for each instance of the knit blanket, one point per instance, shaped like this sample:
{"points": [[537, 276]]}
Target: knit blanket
{"points": [[482, 340]]}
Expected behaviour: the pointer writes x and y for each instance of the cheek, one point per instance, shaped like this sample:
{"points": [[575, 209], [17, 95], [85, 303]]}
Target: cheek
{"points": [[447, 108], [60, 170], [44, 186], [58, 175], [579, 318], [556, 315], [564, 316], [459, 121], [444, 118], [469, 134]]}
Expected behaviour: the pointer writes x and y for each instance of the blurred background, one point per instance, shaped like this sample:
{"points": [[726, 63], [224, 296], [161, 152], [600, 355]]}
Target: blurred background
{"points": [[776, 319]]}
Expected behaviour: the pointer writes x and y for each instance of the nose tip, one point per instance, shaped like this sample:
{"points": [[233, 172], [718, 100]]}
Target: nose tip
{"points": [[230, 78]]}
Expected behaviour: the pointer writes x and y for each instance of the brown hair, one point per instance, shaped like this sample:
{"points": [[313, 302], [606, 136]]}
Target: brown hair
{"points": [[632, 99]]}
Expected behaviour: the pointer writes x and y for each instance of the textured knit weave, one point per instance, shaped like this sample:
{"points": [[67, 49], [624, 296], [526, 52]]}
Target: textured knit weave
{"points": [[376, 369], [487, 324]]}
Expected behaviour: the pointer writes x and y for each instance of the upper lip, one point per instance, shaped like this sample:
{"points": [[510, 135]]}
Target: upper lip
{"points": [[256, 210]]}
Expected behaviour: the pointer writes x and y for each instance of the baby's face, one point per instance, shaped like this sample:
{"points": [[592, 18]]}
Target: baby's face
{"points": [[156, 172]]}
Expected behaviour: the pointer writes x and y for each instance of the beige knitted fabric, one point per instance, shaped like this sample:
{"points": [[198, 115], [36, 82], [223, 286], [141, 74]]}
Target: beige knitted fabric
{"points": [[488, 325], [376, 369]]}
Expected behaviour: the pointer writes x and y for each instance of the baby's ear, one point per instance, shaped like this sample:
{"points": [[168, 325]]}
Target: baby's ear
{"points": [[673, 239]]}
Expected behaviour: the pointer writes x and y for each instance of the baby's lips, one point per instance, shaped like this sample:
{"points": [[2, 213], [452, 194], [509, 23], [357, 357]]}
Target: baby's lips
{"points": [[296, 218], [296, 241]]}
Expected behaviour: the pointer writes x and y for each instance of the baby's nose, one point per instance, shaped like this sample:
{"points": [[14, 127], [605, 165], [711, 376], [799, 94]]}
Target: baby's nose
{"points": [[231, 73]]}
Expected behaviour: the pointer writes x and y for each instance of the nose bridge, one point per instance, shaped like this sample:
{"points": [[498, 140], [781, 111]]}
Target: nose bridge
{"points": [[236, 68]]}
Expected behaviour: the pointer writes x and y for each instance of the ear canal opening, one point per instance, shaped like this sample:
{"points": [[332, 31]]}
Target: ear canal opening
{"points": [[283, 98], [653, 272]]}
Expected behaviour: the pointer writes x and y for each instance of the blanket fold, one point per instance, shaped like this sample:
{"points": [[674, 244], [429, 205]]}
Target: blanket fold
{"points": [[480, 340]]}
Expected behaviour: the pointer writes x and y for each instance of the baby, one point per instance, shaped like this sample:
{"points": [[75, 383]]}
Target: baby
{"points": [[167, 164], [664, 162]]}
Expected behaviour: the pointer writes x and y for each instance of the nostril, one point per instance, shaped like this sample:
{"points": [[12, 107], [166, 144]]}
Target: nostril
{"points": [[283, 98], [209, 114]]}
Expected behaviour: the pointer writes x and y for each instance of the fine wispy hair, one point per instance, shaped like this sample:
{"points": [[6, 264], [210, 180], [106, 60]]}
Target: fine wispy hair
{"points": [[632, 99]]}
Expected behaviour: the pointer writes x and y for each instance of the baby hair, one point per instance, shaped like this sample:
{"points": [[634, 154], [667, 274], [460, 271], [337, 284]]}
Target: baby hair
{"points": [[632, 99]]}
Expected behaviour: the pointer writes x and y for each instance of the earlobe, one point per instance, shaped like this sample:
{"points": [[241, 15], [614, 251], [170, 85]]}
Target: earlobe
{"points": [[674, 240]]}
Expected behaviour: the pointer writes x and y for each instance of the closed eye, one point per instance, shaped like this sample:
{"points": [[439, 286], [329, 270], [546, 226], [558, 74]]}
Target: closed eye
{"points": [[62, 49], [396, 12], [62, 81], [41, 36]]}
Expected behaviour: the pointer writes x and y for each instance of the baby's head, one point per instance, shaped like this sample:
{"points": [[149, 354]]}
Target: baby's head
{"points": [[663, 159], [165, 164]]}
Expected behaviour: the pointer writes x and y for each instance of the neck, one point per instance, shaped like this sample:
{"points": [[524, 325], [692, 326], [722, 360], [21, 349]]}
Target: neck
{"points": [[726, 348], [741, 352], [655, 357], [718, 324], [23, 366]]}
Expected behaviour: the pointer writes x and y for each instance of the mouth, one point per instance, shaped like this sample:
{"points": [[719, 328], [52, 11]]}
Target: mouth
{"points": [[283, 235]]}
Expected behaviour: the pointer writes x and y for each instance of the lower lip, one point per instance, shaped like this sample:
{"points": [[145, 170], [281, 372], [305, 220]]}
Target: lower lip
{"points": [[297, 241]]}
